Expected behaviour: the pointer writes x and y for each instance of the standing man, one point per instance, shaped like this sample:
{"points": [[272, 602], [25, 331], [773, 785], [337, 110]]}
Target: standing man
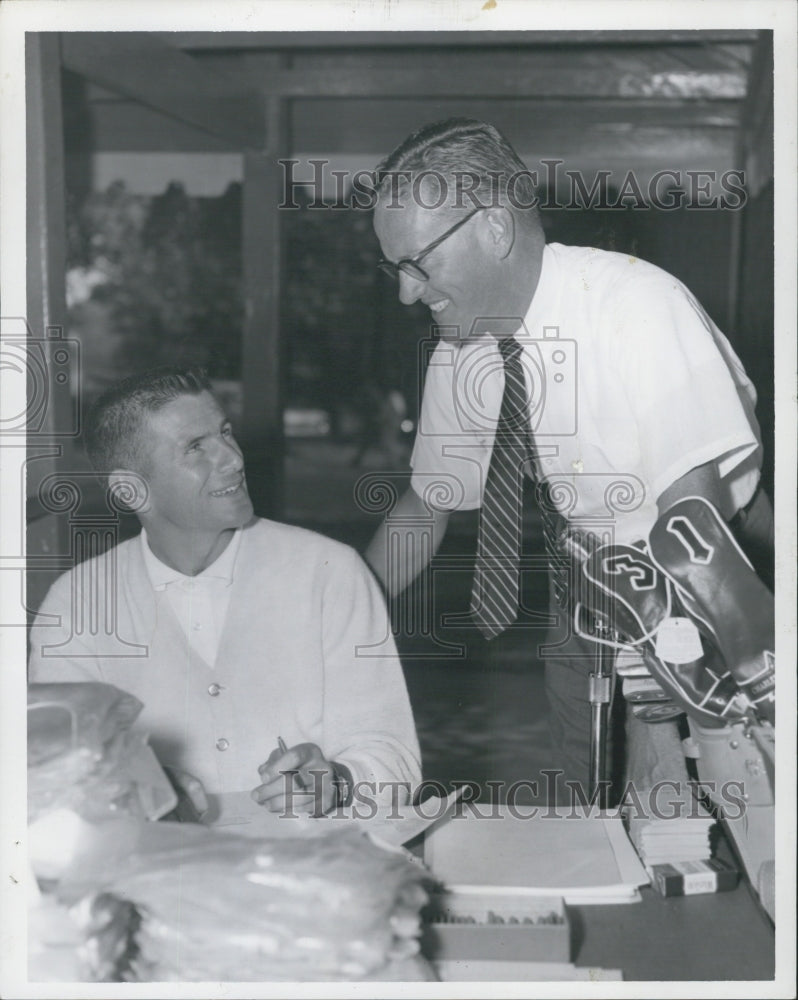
{"points": [[259, 650], [601, 375]]}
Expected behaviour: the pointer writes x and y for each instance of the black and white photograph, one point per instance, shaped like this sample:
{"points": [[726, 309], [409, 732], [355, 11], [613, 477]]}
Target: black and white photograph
{"points": [[397, 468]]}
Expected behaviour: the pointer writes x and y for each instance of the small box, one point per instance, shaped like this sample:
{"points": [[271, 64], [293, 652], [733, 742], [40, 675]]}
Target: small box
{"points": [[532, 928], [689, 878]]}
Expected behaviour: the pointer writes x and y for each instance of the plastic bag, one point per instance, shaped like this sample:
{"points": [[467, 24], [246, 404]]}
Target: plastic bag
{"points": [[83, 756], [213, 906]]}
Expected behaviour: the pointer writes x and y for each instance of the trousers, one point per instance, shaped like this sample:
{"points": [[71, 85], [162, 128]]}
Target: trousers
{"points": [[569, 659]]}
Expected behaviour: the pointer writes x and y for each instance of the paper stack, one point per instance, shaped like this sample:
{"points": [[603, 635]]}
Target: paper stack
{"points": [[667, 839], [582, 856]]}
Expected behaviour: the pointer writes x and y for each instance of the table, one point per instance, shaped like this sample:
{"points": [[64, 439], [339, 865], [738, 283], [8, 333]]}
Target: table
{"points": [[723, 936], [705, 937], [718, 936]]}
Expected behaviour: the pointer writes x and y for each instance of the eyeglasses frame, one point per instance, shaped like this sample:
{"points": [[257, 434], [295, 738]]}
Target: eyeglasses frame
{"points": [[410, 265]]}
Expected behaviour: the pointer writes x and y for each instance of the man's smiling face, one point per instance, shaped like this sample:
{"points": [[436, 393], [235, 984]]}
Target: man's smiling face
{"points": [[194, 469], [462, 285]]}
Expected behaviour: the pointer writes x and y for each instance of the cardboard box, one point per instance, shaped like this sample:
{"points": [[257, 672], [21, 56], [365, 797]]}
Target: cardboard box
{"points": [[689, 878], [496, 926]]}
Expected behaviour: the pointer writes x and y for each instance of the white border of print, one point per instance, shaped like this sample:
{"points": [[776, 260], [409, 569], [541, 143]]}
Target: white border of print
{"points": [[17, 16]]}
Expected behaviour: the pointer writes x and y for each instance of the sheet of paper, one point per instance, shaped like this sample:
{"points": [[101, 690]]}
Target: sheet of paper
{"points": [[582, 857], [392, 826]]}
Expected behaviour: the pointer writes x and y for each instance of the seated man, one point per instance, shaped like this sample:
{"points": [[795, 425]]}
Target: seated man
{"points": [[239, 635]]}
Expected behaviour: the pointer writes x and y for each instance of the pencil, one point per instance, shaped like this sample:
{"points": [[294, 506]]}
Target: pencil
{"points": [[300, 778]]}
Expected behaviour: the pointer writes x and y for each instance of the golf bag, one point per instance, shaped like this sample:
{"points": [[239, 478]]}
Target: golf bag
{"points": [[692, 606]]}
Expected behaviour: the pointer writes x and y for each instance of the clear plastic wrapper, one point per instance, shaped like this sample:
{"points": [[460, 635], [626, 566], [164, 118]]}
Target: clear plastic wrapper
{"points": [[181, 902], [84, 757], [212, 906], [79, 742]]}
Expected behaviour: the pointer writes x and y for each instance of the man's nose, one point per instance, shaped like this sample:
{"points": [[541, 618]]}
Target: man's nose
{"points": [[228, 456], [410, 288]]}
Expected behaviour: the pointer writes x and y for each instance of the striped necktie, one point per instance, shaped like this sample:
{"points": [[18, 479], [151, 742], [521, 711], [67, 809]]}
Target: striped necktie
{"points": [[495, 590]]}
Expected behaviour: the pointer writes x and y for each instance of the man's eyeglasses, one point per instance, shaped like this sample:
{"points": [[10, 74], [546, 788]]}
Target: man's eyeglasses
{"points": [[410, 265]]}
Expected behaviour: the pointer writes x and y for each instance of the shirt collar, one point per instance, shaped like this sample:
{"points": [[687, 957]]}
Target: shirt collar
{"points": [[542, 310], [543, 307], [161, 575]]}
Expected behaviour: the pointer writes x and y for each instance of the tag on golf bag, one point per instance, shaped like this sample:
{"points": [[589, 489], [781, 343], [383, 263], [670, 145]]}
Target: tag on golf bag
{"points": [[639, 598], [719, 588]]}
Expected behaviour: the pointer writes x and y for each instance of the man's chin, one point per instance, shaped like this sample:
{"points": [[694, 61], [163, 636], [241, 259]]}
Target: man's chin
{"points": [[240, 513], [457, 336], [246, 515], [450, 333]]}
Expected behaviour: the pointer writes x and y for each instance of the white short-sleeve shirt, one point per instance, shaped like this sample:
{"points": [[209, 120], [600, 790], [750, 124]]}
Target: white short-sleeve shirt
{"points": [[631, 386]]}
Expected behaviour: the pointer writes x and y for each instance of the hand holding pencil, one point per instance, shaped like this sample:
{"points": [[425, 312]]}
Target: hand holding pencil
{"points": [[298, 779]]}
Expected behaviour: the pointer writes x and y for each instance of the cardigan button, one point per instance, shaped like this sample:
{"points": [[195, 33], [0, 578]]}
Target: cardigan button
{"points": [[214, 690], [222, 744]]}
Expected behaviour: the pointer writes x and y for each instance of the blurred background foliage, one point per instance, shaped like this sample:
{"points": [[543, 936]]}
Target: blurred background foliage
{"points": [[158, 280], [167, 271]]}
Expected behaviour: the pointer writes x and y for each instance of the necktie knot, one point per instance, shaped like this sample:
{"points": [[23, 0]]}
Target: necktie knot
{"points": [[514, 413]]}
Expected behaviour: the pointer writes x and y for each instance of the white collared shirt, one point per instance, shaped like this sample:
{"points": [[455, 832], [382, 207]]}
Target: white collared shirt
{"points": [[199, 602], [631, 386]]}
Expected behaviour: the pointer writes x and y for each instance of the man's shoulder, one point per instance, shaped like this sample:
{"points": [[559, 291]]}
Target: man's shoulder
{"points": [[612, 263], [120, 554], [276, 539], [94, 568]]}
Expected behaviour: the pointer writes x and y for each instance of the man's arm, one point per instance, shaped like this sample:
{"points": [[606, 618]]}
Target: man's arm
{"points": [[752, 526], [702, 481], [417, 531], [51, 631], [368, 723]]}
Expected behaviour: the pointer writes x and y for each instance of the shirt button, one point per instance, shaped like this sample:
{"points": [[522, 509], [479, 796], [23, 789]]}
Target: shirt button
{"points": [[214, 690], [222, 744], [196, 626]]}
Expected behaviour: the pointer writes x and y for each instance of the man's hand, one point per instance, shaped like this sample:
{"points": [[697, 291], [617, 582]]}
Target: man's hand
{"points": [[421, 529], [192, 802], [300, 781]]}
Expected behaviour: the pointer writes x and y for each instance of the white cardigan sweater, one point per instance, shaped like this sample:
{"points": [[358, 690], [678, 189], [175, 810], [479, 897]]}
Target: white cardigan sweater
{"points": [[306, 653]]}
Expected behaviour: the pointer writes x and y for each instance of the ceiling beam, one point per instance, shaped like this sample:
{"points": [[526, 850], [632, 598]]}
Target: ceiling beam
{"points": [[146, 69], [507, 81], [338, 125], [407, 39], [353, 125]]}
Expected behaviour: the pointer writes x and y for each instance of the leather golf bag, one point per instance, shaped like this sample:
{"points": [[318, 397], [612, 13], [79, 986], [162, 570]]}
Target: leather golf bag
{"points": [[692, 606]]}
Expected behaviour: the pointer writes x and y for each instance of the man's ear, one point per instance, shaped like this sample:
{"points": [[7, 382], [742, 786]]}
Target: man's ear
{"points": [[500, 231], [128, 491]]}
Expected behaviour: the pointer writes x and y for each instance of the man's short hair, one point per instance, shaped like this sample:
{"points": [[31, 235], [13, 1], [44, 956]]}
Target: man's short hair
{"points": [[113, 437], [475, 161]]}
